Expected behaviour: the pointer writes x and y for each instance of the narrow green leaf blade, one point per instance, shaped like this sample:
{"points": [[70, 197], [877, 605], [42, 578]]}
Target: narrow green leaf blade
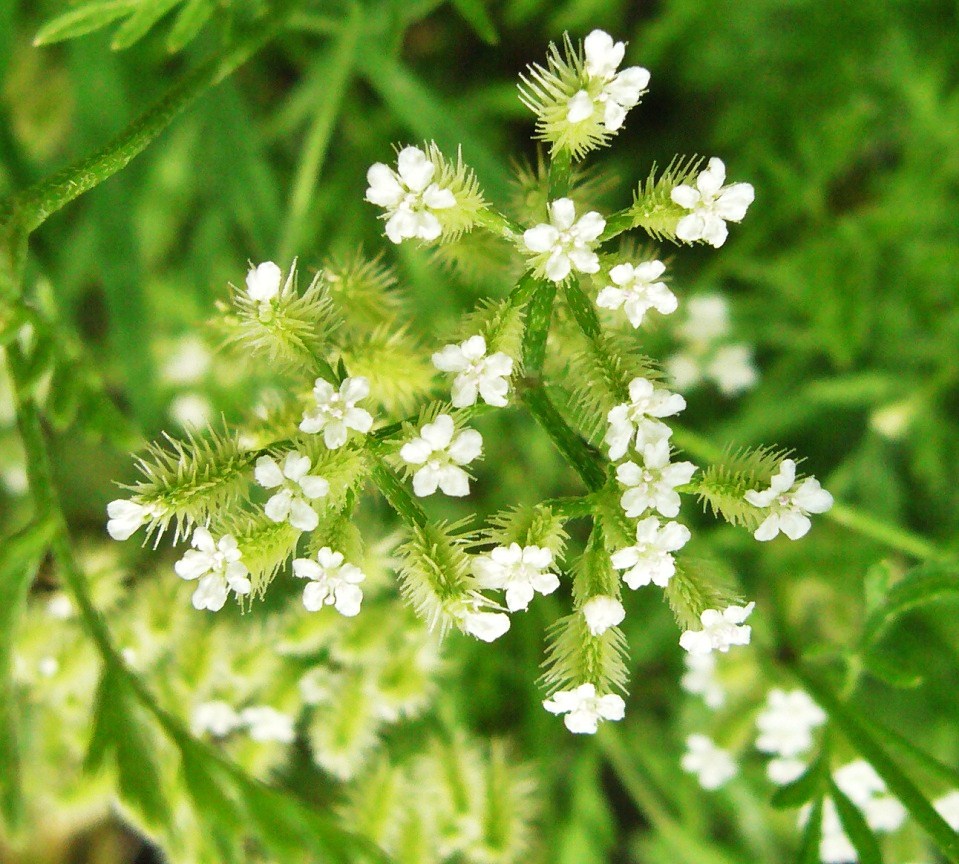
{"points": [[922, 586], [809, 846], [476, 14], [189, 22], [19, 557], [140, 23], [854, 824], [83, 20]]}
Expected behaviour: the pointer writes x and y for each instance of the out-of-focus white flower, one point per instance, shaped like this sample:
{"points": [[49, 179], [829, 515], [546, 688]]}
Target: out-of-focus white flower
{"points": [[191, 410], [721, 630], [408, 196], [788, 505], [787, 722], [584, 709], [263, 282], [296, 489], [215, 718], [188, 362], [700, 679], [632, 423], [60, 606], [441, 457], [476, 374], [637, 290], [601, 613], [565, 244], [218, 566], [782, 771], [333, 582], [126, 517], [520, 571], [713, 766], [707, 319], [712, 205], [650, 560], [620, 91], [867, 790], [834, 846], [336, 412], [653, 486], [948, 807], [267, 724], [733, 369]]}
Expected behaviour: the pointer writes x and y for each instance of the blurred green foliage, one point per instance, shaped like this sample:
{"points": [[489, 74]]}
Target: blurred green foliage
{"points": [[845, 277]]}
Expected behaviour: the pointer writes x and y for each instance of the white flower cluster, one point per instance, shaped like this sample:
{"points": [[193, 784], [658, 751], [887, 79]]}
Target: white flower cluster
{"points": [[332, 582], [786, 728], [584, 709], [477, 375], [866, 789], [713, 766], [721, 630], [296, 489], [611, 92], [565, 244], [520, 571], [218, 566], [711, 205], [336, 413], [439, 457], [408, 196], [700, 679], [706, 354], [637, 289], [788, 503]]}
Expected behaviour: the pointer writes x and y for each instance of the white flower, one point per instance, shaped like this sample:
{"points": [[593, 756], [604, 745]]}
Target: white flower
{"points": [[620, 91], [948, 807], [700, 678], [834, 847], [565, 243], [336, 412], [631, 423], [267, 724], [786, 723], [721, 630], [713, 766], [215, 718], [584, 709], [601, 613], [733, 369], [188, 362], [781, 771], [638, 292], [441, 457], [712, 205], [334, 583], [263, 282], [297, 488], [867, 790], [788, 505], [707, 319], [60, 606], [477, 374], [408, 196], [191, 410], [520, 571], [218, 566], [653, 485], [126, 517], [650, 561], [473, 617]]}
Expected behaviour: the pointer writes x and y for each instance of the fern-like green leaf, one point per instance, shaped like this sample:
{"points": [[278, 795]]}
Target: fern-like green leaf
{"points": [[653, 208]]}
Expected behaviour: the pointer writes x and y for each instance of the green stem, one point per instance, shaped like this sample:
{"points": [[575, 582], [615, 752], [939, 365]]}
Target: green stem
{"points": [[626, 766], [393, 490], [32, 207], [617, 224], [560, 172], [539, 316], [584, 460], [582, 309], [338, 70], [863, 740]]}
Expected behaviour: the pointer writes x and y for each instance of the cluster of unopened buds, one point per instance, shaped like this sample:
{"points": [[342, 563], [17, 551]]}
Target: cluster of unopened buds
{"points": [[581, 99]]}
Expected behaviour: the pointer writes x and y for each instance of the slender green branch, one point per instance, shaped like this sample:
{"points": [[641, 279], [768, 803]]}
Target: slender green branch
{"points": [[560, 173], [616, 224], [842, 514], [865, 742], [33, 206], [584, 460], [582, 308], [393, 490], [335, 80], [626, 767], [539, 316]]}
